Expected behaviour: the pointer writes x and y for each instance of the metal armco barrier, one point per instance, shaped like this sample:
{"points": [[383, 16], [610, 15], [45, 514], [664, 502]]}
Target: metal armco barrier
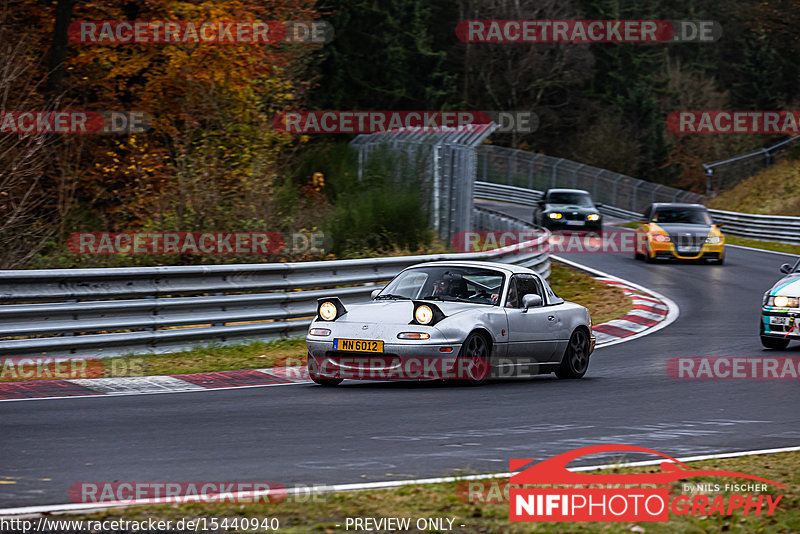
{"points": [[112, 312]]}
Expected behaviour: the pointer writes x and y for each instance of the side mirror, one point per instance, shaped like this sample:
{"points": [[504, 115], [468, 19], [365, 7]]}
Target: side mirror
{"points": [[375, 293], [531, 301], [786, 268]]}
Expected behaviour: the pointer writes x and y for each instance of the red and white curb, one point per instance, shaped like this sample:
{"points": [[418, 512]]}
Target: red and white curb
{"points": [[144, 385], [651, 312], [647, 312]]}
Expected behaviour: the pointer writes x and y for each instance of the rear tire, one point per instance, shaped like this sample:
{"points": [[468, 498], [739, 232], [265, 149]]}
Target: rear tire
{"points": [[576, 357], [774, 343]]}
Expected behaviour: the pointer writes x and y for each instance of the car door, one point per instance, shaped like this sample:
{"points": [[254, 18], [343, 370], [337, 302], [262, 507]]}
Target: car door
{"points": [[532, 332]]}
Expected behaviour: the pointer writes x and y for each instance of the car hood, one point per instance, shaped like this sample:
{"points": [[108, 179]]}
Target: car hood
{"points": [[398, 311], [698, 230], [788, 286], [570, 207]]}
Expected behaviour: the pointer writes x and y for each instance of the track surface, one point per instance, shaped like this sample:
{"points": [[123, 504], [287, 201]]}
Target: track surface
{"points": [[360, 432]]}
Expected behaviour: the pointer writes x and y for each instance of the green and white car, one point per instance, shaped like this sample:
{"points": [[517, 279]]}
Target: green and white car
{"points": [[780, 311]]}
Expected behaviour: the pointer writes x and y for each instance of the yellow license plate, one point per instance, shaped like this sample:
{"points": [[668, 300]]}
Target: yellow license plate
{"points": [[358, 345]]}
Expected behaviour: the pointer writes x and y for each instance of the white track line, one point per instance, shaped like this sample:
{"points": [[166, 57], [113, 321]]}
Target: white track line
{"points": [[389, 484], [763, 250]]}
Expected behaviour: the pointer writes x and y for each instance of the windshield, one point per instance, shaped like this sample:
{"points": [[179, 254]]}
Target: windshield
{"points": [[576, 199], [463, 284], [681, 215]]}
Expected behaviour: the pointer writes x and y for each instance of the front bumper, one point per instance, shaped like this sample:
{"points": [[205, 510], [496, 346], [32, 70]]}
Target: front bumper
{"points": [[790, 330], [561, 225], [421, 360], [668, 251]]}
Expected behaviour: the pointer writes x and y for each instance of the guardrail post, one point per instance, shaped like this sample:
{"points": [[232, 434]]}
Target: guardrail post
{"points": [[509, 161]]}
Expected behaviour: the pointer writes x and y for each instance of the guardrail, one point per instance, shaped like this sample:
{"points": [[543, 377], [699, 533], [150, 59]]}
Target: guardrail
{"points": [[765, 227], [111, 312]]}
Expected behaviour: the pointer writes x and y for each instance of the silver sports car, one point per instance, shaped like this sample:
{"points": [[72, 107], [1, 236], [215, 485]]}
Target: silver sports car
{"points": [[780, 309], [453, 320]]}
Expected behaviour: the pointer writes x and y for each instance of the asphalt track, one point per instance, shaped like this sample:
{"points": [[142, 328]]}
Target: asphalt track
{"points": [[367, 432]]}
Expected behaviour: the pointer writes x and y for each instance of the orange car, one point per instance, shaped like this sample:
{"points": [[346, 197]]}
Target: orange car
{"points": [[679, 231]]}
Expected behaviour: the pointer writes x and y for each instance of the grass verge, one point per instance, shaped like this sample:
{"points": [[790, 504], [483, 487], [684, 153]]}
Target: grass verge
{"points": [[766, 245], [604, 302], [328, 512]]}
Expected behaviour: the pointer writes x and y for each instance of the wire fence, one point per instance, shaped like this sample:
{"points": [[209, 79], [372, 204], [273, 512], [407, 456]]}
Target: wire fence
{"points": [[442, 164], [507, 166], [726, 174]]}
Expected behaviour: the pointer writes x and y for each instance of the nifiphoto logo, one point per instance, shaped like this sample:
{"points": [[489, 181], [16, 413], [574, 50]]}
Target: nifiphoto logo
{"points": [[547, 491]]}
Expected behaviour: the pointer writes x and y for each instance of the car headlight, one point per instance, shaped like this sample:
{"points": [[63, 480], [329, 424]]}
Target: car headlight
{"points": [[714, 239], [327, 311], [554, 215], [423, 314], [784, 302], [660, 238], [593, 217]]}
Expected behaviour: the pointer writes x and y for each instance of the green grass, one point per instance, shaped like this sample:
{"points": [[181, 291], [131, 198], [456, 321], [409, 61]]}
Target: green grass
{"points": [[604, 302], [325, 511], [773, 191], [766, 245]]}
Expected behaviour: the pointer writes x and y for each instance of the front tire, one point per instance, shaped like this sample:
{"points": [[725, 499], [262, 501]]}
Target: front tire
{"points": [[472, 365], [576, 357], [774, 343]]}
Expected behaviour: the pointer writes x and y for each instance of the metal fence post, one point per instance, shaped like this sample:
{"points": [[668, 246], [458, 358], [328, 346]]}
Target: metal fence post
{"points": [[614, 189], [633, 196], [594, 185], [575, 175], [555, 169]]}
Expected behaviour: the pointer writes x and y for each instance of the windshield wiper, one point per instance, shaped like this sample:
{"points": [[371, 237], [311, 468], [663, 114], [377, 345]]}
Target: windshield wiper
{"points": [[390, 296], [446, 298]]}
